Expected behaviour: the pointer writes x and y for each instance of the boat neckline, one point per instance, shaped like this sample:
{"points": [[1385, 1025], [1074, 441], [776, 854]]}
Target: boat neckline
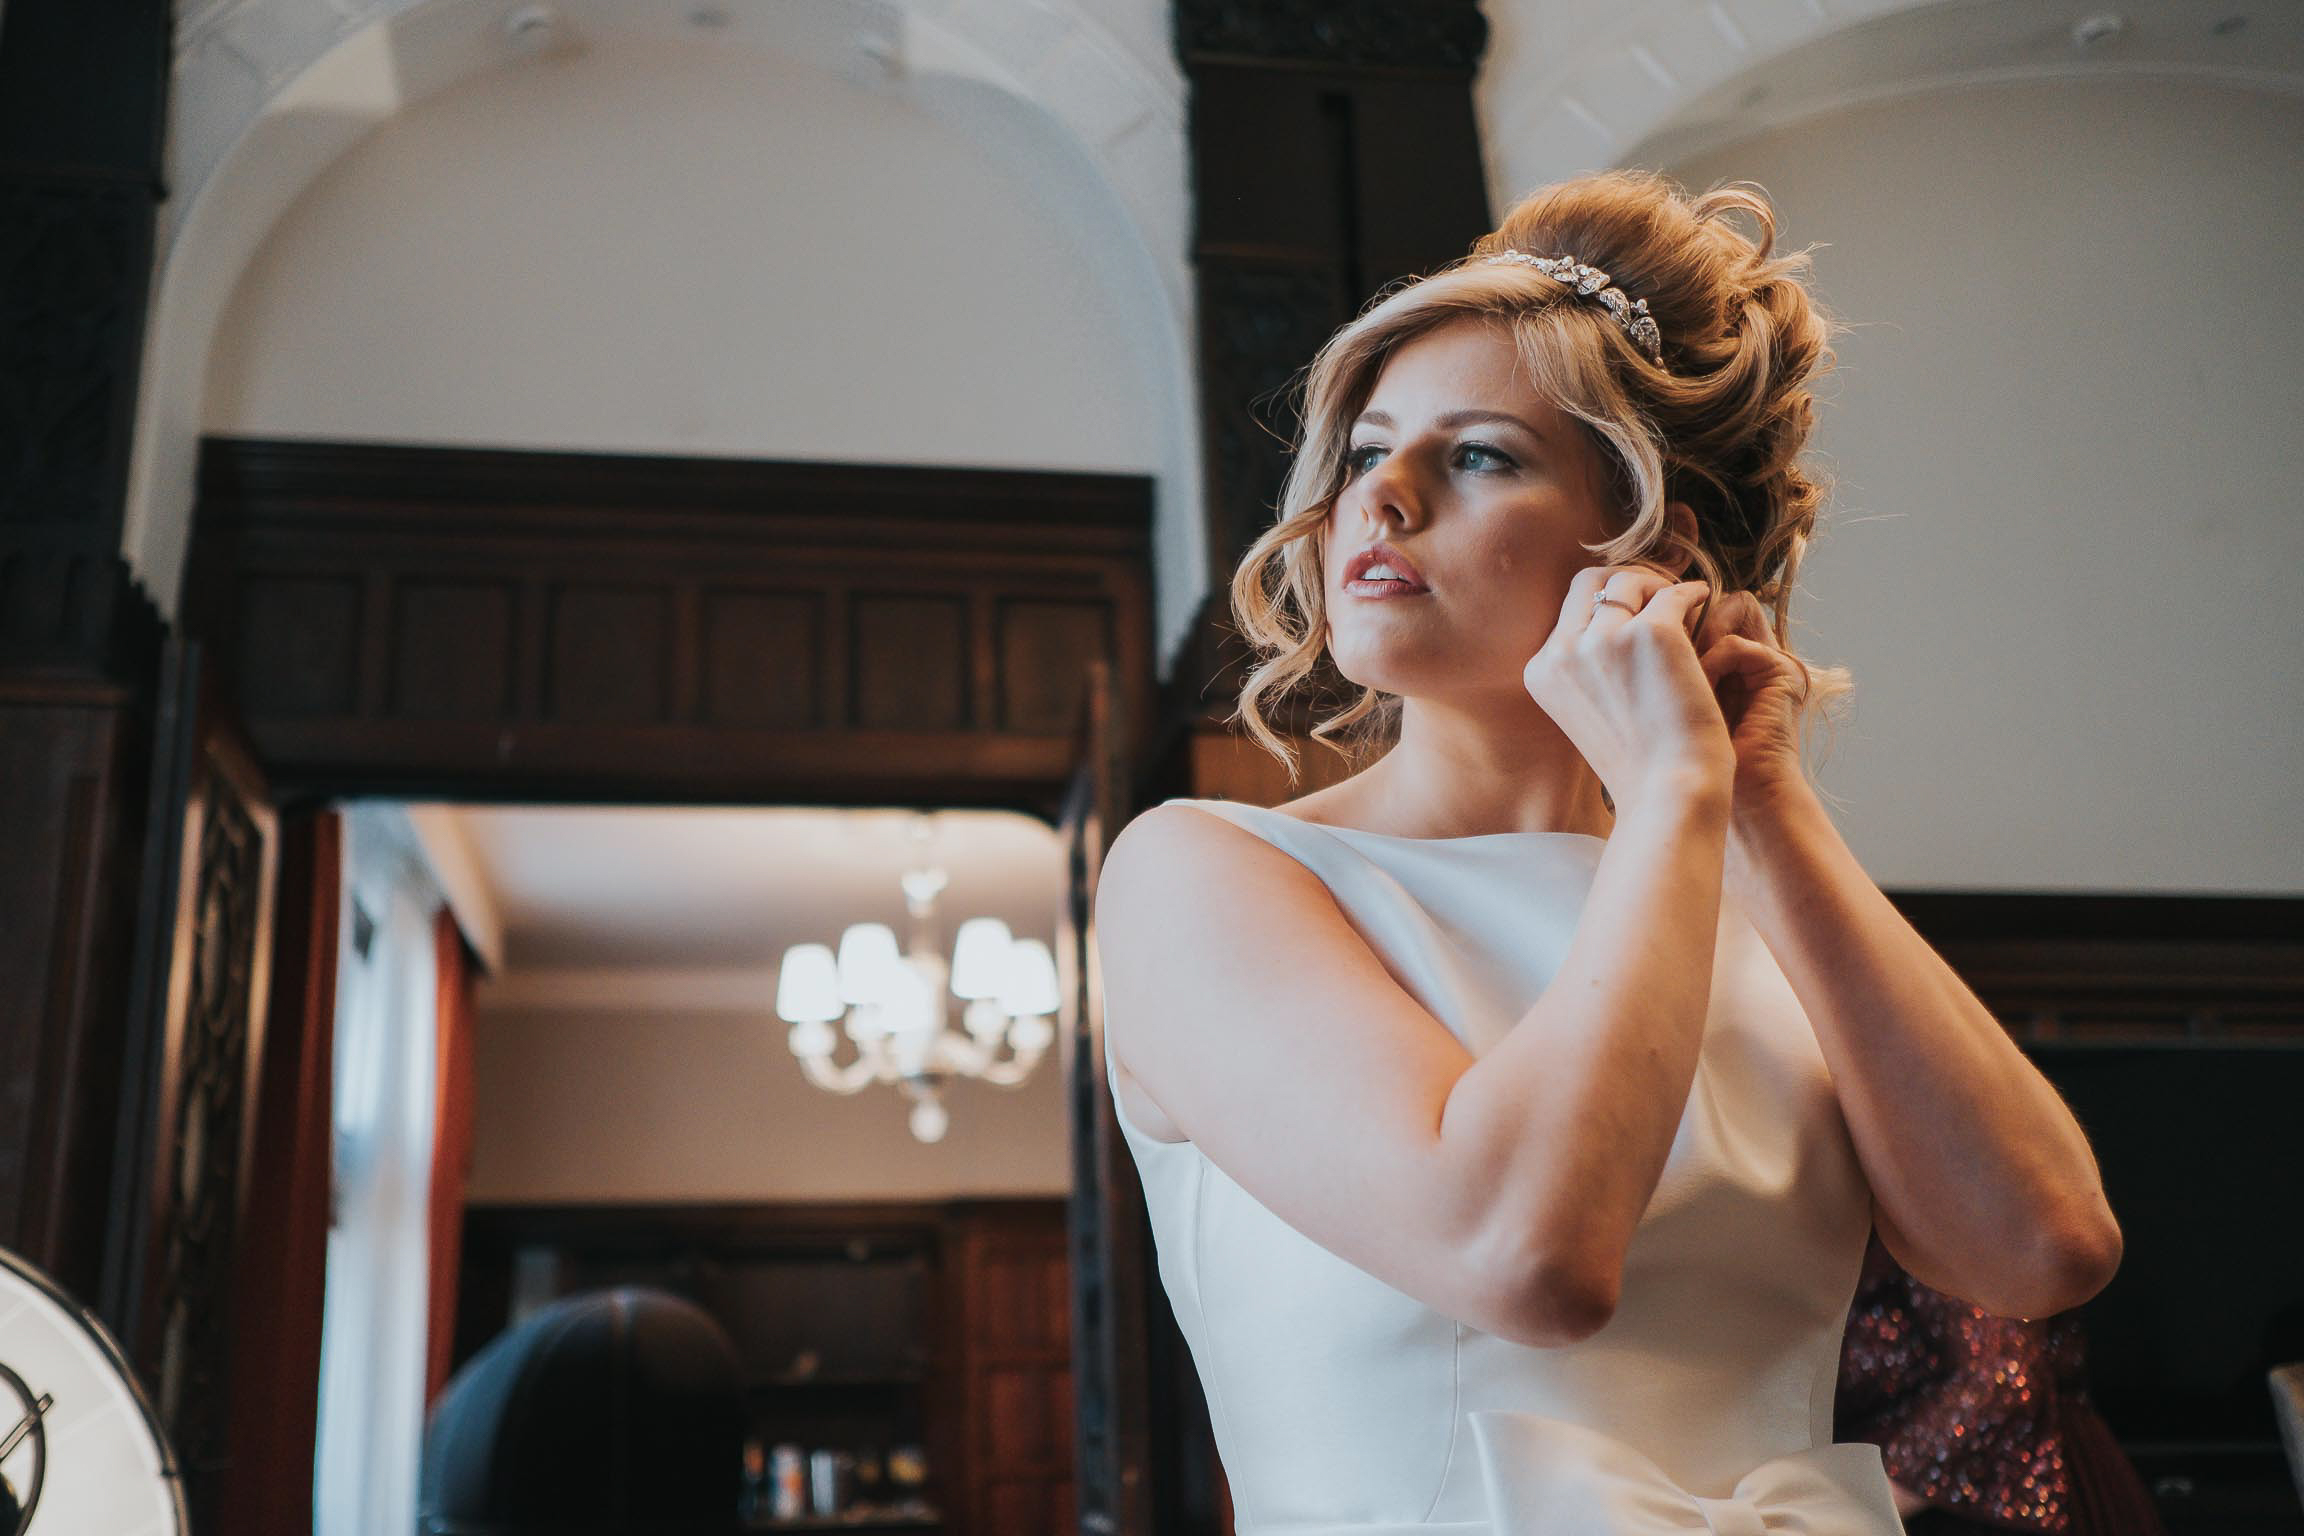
{"points": [[1396, 837]]}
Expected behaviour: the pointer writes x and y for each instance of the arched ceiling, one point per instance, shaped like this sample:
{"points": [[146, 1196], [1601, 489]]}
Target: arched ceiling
{"points": [[1574, 85], [268, 93]]}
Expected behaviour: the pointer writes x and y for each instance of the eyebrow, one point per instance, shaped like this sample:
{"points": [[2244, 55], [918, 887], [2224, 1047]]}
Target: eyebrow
{"points": [[1454, 419]]}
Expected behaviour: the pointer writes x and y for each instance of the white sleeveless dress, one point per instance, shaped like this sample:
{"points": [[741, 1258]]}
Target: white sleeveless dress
{"points": [[1344, 1407]]}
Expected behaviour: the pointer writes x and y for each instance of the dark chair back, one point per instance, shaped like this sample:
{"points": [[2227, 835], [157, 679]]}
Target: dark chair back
{"points": [[613, 1413]]}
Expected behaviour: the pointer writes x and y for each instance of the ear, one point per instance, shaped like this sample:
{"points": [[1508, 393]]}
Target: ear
{"points": [[1682, 520]]}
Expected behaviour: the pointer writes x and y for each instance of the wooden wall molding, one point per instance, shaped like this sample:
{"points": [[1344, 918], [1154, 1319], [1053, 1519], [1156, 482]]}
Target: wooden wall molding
{"points": [[1432, 34], [479, 622], [2059, 966]]}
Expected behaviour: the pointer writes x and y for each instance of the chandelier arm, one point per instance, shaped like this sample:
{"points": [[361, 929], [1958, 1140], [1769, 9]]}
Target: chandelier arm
{"points": [[854, 1077], [1012, 1072], [964, 1052]]}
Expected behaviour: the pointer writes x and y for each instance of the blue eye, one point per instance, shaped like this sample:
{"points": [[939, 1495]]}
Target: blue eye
{"points": [[1356, 461]]}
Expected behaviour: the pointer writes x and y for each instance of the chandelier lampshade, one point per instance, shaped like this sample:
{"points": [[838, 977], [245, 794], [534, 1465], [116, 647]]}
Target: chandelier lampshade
{"points": [[807, 986], [980, 957], [1029, 987], [867, 955]]}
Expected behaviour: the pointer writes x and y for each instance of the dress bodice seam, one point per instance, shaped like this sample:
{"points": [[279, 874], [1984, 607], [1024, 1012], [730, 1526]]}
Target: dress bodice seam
{"points": [[1455, 1420], [1215, 1387]]}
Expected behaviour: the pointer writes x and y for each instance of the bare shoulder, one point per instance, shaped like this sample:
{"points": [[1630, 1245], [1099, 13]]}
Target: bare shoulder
{"points": [[1182, 881], [1153, 883], [1185, 864], [1169, 849]]}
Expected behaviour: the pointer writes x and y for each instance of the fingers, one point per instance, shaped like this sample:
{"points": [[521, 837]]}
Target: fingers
{"points": [[1733, 654], [1736, 613], [1659, 601], [1637, 588], [1670, 603], [1631, 588], [1755, 662], [1586, 584]]}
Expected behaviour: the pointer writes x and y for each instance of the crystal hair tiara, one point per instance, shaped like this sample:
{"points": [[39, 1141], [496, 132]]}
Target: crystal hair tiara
{"points": [[1631, 314]]}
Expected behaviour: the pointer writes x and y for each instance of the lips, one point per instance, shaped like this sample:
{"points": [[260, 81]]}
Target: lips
{"points": [[1355, 578]]}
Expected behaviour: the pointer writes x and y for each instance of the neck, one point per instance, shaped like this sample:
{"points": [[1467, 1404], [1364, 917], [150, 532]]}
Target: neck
{"points": [[1484, 765]]}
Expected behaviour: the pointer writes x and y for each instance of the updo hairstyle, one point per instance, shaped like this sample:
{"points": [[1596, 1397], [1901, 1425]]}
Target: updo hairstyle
{"points": [[1722, 424]]}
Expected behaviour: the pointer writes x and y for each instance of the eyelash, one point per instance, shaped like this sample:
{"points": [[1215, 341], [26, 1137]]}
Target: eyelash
{"points": [[1352, 464]]}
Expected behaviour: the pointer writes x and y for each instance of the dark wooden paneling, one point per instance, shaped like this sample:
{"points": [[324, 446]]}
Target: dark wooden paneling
{"points": [[83, 120], [2125, 967], [310, 631], [910, 663], [611, 655], [71, 816], [1327, 161], [191, 1046], [1432, 35], [451, 651], [1015, 1360], [1040, 646], [477, 623], [763, 659]]}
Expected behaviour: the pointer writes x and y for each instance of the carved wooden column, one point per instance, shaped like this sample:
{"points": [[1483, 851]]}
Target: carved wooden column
{"points": [[82, 115], [1334, 148]]}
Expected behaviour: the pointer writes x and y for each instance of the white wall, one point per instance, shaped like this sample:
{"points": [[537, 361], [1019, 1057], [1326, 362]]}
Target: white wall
{"points": [[667, 246], [2061, 562], [608, 1106]]}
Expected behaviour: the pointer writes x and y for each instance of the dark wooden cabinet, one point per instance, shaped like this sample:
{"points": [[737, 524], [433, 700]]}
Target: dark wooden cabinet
{"points": [[862, 1327]]}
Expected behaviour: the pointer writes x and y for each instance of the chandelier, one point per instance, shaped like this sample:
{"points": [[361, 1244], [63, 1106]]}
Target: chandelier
{"points": [[897, 1007]]}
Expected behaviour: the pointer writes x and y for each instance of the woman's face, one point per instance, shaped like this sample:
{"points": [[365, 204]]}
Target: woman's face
{"points": [[1486, 489]]}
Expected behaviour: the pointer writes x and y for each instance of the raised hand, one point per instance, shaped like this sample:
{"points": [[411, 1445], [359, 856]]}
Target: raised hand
{"points": [[1623, 681]]}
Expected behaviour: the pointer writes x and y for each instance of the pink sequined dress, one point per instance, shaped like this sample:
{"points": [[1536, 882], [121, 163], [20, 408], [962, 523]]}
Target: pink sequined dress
{"points": [[1987, 1417]]}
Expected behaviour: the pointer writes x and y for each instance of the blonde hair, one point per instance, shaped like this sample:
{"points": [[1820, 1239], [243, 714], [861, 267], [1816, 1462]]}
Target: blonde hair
{"points": [[1720, 425]]}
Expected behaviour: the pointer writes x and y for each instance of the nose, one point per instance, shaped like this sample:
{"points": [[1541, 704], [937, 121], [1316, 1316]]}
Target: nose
{"points": [[1388, 496]]}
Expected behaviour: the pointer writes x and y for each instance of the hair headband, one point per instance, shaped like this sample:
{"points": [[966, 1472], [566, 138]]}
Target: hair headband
{"points": [[1631, 315]]}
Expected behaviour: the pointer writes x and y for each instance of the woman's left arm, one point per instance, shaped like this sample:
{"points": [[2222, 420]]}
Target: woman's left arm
{"points": [[1983, 1183]]}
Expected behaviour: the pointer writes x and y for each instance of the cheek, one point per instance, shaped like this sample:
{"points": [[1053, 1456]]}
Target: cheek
{"points": [[1519, 596]]}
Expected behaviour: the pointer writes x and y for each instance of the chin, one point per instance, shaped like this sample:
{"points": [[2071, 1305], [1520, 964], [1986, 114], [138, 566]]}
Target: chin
{"points": [[1387, 672], [1430, 668]]}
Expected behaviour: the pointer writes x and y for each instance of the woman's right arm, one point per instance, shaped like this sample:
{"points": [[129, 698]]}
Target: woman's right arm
{"points": [[1502, 1191]]}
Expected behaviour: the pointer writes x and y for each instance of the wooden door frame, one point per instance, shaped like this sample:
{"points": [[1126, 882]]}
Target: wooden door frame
{"points": [[305, 558]]}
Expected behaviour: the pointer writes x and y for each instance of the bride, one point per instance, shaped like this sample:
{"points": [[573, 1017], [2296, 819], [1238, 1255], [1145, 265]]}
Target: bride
{"points": [[1513, 1115]]}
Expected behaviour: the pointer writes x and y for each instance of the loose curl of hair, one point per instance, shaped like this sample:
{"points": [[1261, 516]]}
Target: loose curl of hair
{"points": [[1721, 425]]}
